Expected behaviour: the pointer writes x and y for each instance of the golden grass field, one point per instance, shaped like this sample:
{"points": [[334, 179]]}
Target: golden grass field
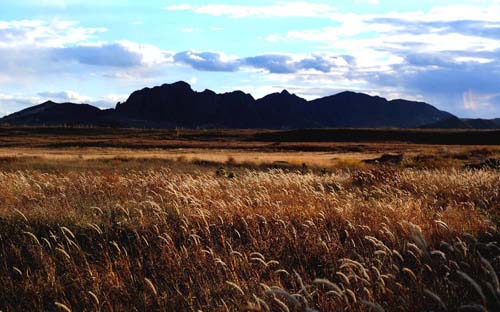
{"points": [[246, 226]]}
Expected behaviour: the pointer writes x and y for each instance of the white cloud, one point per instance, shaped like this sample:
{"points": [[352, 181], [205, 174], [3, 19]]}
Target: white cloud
{"points": [[187, 29], [179, 7], [215, 28], [278, 9], [193, 80], [490, 12], [372, 2], [17, 98], [30, 49], [439, 53], [39, 33], [117, 54], [64, 96], [108, 100], [45, 3], [149, 54]]}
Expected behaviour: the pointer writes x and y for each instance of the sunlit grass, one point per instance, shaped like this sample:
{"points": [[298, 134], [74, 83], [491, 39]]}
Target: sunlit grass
{"points": [[161, 239]]}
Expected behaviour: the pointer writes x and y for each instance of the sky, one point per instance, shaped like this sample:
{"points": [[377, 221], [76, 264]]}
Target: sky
{"points": [[446, 53]]}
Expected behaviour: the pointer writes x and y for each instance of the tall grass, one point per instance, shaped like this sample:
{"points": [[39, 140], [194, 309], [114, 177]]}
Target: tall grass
{"points": [[146, 240]]}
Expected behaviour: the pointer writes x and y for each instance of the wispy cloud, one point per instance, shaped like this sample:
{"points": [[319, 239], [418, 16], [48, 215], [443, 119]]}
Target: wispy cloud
{"points": [[216, 28], [187, 29], [64, 96], [39, 33], [278, 9]]}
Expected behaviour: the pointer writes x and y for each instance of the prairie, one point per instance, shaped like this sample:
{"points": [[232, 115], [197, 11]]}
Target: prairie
{"points": [[246, 227]]}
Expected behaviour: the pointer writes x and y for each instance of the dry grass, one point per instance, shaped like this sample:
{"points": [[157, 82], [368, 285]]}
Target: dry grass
{"points": [[237, 156], [333, 156], [153, 239]]}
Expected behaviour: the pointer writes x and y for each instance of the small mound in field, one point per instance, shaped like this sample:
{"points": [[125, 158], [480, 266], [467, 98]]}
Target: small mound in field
{"points": [[386, 159]]}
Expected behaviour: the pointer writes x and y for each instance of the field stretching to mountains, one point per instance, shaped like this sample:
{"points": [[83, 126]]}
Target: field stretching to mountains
{"points": [[105, 219]]}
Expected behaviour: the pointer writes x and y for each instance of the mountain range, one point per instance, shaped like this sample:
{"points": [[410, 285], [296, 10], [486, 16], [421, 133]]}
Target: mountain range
{"points": [[178, 105]]}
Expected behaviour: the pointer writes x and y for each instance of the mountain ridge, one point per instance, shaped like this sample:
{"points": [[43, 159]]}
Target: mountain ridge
{"points": [[178, 105]]}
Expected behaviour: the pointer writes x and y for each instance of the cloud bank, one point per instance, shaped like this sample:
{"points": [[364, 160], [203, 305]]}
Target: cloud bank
{"points": [[442, 55]]}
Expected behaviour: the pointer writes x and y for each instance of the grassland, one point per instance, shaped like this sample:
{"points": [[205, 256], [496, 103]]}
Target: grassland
{"points": [[221, 223]]}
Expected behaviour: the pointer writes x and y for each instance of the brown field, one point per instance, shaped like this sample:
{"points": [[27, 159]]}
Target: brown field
{"points": [[147, 220]]}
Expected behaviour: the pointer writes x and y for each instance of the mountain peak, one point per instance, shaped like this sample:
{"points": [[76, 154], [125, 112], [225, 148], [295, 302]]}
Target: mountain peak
{"points": [[181, 83], [357, 94], [282, 95], [347, 92], [49, 102]]}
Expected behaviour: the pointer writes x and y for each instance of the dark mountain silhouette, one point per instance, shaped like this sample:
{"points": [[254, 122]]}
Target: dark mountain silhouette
{"points": [[177, 105], [54, 113], [350, 109], [464, 123], [448, 123], [483, 123], [284, 110]]}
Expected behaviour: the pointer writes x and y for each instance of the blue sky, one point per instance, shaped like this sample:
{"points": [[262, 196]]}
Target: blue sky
{"points": [[446, 53]]}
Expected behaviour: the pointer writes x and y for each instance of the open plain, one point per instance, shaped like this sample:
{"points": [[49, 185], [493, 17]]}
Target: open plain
{"points": [[192, 220]]}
